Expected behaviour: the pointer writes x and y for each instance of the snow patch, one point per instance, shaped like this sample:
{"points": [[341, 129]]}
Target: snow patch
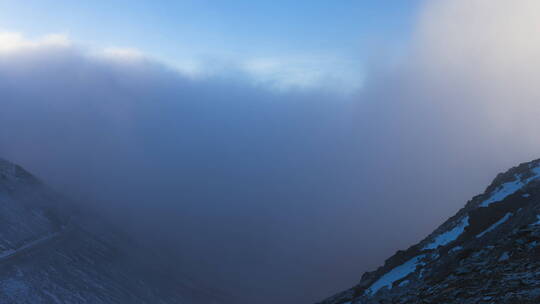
{"points": [[537, 220], [448, 236], [505, 256], [457, 248], [404, 283], [497, 224], [509, 188], [395, 274]]}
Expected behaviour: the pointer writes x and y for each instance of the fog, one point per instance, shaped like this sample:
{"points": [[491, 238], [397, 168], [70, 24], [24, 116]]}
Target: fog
{"points": [[281, 196]]}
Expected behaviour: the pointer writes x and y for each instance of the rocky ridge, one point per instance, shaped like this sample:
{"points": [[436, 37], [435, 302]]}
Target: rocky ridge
{"points": [[488, 252]]}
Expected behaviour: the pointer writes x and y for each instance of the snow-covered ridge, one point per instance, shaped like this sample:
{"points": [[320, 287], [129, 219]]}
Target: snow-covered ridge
{"points": [[448, 236], [395, 274], [509, 188], [495, 232], [497, 195]]}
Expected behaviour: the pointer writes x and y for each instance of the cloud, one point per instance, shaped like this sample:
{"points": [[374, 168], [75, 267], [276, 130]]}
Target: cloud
{"points": [[304, 72], [213, 167], [283, 73], [11, 42], [124, 54], [479, 62]]}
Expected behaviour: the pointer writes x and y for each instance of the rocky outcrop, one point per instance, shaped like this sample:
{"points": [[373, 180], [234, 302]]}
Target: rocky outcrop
{"points": [[488, 252]]}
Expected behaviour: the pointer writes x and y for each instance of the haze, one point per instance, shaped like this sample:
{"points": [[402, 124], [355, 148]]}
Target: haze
{"points": [[277, 166]]}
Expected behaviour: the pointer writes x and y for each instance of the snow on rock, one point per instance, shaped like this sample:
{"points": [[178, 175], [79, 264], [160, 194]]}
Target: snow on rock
{"points": [[503, 191], [497, 224], [497, 240], [448, 236], [509, 188], [457, 248], [395, 274], [404, 283], [504, 256]]}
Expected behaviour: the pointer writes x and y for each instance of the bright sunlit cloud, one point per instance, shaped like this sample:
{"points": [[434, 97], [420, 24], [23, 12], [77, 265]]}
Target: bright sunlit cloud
{"points": [[11, 42], [279, 73]]}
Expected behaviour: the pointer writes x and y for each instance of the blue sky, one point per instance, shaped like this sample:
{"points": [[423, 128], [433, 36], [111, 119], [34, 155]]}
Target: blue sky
{"points": [[302, 42]]}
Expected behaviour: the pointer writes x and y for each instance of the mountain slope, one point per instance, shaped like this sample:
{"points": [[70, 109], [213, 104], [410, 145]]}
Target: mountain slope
{"points": [[488, 252], [50, 253]]}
